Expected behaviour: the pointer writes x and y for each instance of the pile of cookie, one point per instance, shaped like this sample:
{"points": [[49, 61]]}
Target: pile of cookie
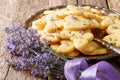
{"points": [[68, 30]]}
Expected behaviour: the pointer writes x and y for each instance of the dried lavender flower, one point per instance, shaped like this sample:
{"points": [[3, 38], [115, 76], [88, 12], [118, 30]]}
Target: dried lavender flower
{"points": [[73, 17], [90, 20], [40, 65], [20, 39], [113, 27], [82, 31], [35, 56]]}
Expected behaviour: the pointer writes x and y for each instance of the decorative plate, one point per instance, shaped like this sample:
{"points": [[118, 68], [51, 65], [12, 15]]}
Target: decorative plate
{"points": [[110, 54]]}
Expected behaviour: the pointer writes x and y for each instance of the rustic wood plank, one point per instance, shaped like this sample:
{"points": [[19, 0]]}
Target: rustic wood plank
{"points": [[4, 69], [74, 2], [23, 9], [114, 5], [61, 2], [99, 3], [4, 21]]}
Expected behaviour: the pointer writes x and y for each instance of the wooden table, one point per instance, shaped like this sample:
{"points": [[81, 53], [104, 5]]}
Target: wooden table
{"points": [[17, 11]]}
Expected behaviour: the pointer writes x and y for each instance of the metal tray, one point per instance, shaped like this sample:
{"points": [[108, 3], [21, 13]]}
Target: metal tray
{"points": [[110, 54]]}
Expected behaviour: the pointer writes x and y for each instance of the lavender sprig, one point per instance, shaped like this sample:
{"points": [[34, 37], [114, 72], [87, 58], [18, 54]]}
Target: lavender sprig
{"points": [[35, 56], [20, 40]]}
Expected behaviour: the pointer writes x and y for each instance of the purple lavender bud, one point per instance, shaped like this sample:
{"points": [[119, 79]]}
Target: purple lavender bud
{"points": [[73, 17], [113, 27], [6, 29], [16, 65], [82, 31], [35, 72], [31, 60], [90, 20], [23, 63]]}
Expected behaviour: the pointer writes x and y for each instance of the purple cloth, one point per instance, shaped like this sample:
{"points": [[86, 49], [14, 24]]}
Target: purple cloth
{"points": [[100, 71], [72, 68]]}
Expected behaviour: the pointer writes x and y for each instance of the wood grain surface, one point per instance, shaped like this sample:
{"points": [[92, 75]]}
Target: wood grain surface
{"points": [[17, 11]]}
